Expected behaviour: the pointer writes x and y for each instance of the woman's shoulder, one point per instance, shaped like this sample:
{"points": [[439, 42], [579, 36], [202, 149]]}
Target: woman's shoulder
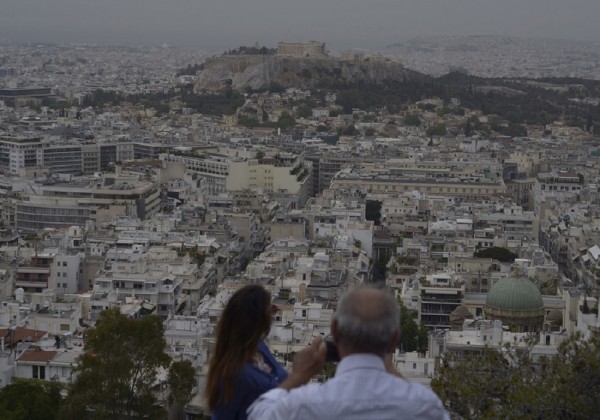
{"points": [[263, 348]]}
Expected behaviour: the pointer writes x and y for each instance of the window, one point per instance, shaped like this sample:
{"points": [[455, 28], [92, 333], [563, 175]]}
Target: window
{"points": [[39, 372], [64, 285], [414, 365], [64, 263], [65, 274], [303, 313]]}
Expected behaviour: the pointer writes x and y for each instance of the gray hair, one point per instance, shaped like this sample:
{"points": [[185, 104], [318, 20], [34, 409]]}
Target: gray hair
{"points": [[367, 320]]}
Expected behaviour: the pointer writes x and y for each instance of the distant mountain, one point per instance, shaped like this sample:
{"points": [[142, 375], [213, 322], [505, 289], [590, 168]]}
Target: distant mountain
{"points": [[499, 56]]}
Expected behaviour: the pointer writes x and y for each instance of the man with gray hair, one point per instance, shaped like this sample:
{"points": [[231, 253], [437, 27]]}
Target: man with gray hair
{"points": [[365, 329]]}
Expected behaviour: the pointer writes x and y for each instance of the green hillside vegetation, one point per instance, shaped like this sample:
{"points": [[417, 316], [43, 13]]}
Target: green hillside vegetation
{"points": [[507, 385], [510, 103]]}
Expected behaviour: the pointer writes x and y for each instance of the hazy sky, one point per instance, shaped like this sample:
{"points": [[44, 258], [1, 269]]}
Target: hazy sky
{"points": [[341, 24]]}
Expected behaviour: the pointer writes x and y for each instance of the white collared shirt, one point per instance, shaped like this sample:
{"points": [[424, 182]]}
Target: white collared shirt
{"points": [[361, 389]]}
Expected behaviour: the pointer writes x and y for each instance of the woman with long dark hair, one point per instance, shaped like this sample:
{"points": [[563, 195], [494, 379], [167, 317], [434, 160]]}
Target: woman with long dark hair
{"points": [[242, 367]]}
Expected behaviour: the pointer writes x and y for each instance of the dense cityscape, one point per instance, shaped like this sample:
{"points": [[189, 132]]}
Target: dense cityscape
{"points": [[143, 186]]}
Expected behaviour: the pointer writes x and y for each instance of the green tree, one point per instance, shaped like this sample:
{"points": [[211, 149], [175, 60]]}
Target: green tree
{"points": [[497, 253], [467, 128], [161, 109], [350, 130], [304, 111], [286, 121], [412, 120], [380, 267], [116, 375], [513, 130], [373, 211], [506, 384], [181, 381], [30, 399], [275, 87], [247, 121], [413, 337], [436, 130]]}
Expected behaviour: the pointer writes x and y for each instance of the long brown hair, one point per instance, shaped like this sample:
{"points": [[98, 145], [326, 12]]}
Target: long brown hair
{"points": [[245, 320]]}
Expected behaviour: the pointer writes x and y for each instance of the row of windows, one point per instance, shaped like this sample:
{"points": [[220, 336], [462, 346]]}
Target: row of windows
{"points": [[436, 189], [562, 188], [50, 211]]}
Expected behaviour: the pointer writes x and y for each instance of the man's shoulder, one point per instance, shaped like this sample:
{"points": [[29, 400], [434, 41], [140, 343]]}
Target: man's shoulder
{"points": [[413, 390], [378, 385]]}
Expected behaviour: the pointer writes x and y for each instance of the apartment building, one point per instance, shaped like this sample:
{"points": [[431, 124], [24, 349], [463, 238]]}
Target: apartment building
{"points": [[286, 175], [61, 157], [51, 206], [387, 182]]}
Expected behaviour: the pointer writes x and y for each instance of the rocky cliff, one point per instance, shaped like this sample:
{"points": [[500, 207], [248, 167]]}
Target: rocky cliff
{"points": [[258, 72]]}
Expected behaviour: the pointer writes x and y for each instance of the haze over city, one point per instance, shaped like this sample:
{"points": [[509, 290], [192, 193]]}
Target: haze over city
{"points": [[342, 24], [194, 195]]}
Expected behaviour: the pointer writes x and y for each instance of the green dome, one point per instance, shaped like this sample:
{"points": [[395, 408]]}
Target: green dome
{"points": [[514, 294]]}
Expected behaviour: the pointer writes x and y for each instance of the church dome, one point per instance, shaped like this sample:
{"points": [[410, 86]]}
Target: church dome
{"points": [[514, 296]]}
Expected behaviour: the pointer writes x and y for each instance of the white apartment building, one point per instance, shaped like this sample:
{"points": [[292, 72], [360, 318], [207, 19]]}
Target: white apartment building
{"points": [[551, 185], [282, 174], [213, 167], [61, 157], [53, 206], [66, 277]]}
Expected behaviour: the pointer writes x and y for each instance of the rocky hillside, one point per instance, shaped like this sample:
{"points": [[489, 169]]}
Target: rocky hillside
{"points": [[259, 72]]}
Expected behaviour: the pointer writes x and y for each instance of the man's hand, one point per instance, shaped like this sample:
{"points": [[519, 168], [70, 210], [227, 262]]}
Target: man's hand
{"points": [[307, 363]]}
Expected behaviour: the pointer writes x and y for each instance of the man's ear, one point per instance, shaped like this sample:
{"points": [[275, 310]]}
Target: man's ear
{"points": [[394, 342]]}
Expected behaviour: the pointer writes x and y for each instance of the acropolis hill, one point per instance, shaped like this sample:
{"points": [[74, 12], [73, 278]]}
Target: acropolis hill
{"points": [[299, 65]]}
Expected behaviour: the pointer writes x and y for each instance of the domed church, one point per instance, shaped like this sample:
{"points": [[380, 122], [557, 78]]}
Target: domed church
{"points": [[517, 302]]}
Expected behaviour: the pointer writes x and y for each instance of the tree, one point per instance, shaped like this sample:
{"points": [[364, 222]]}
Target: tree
{"points": [[373, 211], [507, 384], [304, 111], [247, 121], [380, 267], [275, 87], [413, 337], [497, 253], [30, 399], [412, 120], [467, 129], [589, 124], [181, 381], [286, 121], [436, 130], [350, 130], [116, 375], [513, 130]]}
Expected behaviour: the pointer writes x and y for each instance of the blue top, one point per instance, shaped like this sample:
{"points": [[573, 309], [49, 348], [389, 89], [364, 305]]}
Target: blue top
{"points": [[249, 385]]}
